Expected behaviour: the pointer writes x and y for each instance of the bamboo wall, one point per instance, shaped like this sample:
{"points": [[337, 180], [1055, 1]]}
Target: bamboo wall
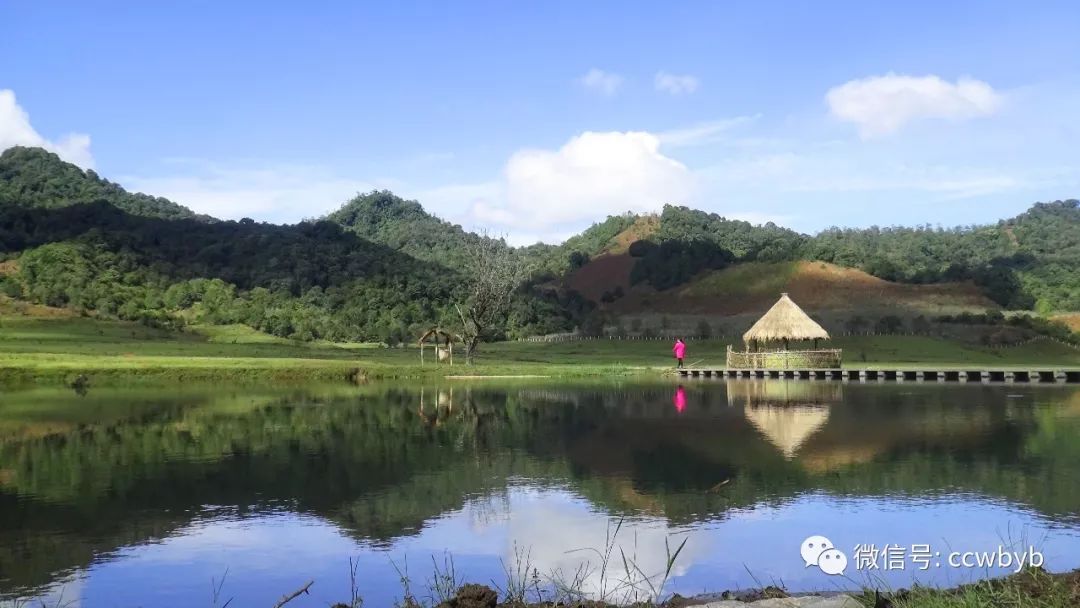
{"points": [[784, 359]]}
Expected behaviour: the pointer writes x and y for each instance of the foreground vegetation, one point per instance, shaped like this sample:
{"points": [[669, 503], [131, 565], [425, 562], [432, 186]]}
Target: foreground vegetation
{"points": [[1032, 588], [35, 349]]}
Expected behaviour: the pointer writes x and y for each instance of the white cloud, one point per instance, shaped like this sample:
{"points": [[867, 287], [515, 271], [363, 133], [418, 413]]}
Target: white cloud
{"points": [[602, 82], [16, 130], [282, 193], [558, 532], [703, 133], [843, 172], [675, 84], [593, 175], [881, 105]]}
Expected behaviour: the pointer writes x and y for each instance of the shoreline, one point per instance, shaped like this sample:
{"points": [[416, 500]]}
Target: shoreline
{"points": [[1029, 588], [60, 369], [40, 351], [110, 372]]}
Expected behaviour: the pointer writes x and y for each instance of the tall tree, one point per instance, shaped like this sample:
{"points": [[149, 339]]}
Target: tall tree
{"points": [[493, 273]]}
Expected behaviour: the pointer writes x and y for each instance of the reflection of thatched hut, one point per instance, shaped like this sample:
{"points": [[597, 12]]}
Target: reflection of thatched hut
{"points": [[768, 341], [753, 392], [786, 412], [787, 427]]}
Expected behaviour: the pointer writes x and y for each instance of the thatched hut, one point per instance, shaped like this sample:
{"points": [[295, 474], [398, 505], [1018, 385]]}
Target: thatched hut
{"points": [[768, 341]]}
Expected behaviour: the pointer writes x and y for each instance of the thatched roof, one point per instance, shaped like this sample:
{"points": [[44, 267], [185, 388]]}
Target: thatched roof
{"points": [[785, 321], [440, 335]]}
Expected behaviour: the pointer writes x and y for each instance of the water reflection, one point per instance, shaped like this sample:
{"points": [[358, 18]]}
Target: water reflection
{"points": [[173, 488], [786, 413]]}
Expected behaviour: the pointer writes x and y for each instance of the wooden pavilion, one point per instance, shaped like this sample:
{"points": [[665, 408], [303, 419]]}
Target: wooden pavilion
{"points": [[768, 342], [444, 344]]}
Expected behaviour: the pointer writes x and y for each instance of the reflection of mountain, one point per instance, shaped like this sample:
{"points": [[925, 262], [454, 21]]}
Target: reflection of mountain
{"points": [[80, 477]]}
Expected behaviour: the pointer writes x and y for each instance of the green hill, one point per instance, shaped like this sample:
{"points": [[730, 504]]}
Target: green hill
{"points": [[381, 267], [33, 177], [1027, 262], [384, 218]]}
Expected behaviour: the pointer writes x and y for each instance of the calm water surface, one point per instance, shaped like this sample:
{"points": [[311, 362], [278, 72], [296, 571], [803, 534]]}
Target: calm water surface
{"points": [[147, 498]]}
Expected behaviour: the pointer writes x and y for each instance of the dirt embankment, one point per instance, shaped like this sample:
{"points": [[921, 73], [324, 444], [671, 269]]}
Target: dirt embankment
{"points": [[753, 287]]}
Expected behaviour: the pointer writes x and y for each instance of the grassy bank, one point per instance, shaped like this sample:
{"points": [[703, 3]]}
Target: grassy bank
{"points": [[58, 349], [1033, 588]]}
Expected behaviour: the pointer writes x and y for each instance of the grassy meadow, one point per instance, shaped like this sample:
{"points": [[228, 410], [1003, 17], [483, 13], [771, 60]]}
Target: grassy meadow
{"points": [[59, 348]]}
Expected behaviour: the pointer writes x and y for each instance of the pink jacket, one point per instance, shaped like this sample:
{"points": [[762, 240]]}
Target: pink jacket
{"points": [[680, 349]]}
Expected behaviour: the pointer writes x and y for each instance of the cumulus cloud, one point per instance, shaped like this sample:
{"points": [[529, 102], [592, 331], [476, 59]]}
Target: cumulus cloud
{"points": [[592, 175], [675, 84], [605, 83], [16, 130], [880, 105], [283, 193]]}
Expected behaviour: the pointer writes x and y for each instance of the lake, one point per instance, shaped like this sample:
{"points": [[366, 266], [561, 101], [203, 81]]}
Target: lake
{"points": [[194, 496]]}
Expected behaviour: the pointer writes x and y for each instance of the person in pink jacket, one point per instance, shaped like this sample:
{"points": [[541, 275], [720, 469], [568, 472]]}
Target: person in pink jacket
{"points": [[680, 352]]}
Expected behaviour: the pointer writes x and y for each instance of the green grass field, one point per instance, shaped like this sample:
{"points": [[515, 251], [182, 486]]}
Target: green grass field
{"points": [[57, 349]]}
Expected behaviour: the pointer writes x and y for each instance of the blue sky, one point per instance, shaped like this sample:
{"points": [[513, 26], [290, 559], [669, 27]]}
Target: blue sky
{"points": [[535, 119]]}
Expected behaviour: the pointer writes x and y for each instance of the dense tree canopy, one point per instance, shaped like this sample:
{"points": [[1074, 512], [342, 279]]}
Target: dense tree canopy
{"points": [[381, 267], [312, 280], [1028, 261]]}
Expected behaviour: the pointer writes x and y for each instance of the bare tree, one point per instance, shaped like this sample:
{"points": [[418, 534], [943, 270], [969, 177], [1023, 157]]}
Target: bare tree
{"points": [[493, 272]]}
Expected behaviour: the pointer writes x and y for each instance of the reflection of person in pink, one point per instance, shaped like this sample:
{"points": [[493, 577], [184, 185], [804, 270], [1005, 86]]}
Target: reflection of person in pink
{"points": [[680, 399], [680, 352]]}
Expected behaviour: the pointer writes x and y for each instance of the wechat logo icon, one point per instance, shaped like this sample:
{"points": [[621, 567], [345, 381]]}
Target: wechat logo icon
{"points": [[820, 551]]}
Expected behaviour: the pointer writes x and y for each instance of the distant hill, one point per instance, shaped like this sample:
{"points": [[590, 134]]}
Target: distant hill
{"points": [[34, 177], [381, 267], [403, 225], [381, 270], [1030, 261], [385, 218], [753, 287]]}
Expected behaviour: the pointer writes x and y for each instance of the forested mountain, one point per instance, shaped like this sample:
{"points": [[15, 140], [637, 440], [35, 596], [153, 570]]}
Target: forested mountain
{"points": [[1029, 261], [33, 177], [98, 253], [387, 219], [381, 267], [404, 225]]}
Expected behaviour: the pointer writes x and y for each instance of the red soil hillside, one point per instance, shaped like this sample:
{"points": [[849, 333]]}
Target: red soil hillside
{"points": [[1072, 319], [611, 269], [602, 274], [754, 287]]}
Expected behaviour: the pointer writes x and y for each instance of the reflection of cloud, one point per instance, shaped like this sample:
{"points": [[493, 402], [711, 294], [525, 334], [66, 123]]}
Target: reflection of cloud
{"points": [[563, 534], [67, 592]]}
